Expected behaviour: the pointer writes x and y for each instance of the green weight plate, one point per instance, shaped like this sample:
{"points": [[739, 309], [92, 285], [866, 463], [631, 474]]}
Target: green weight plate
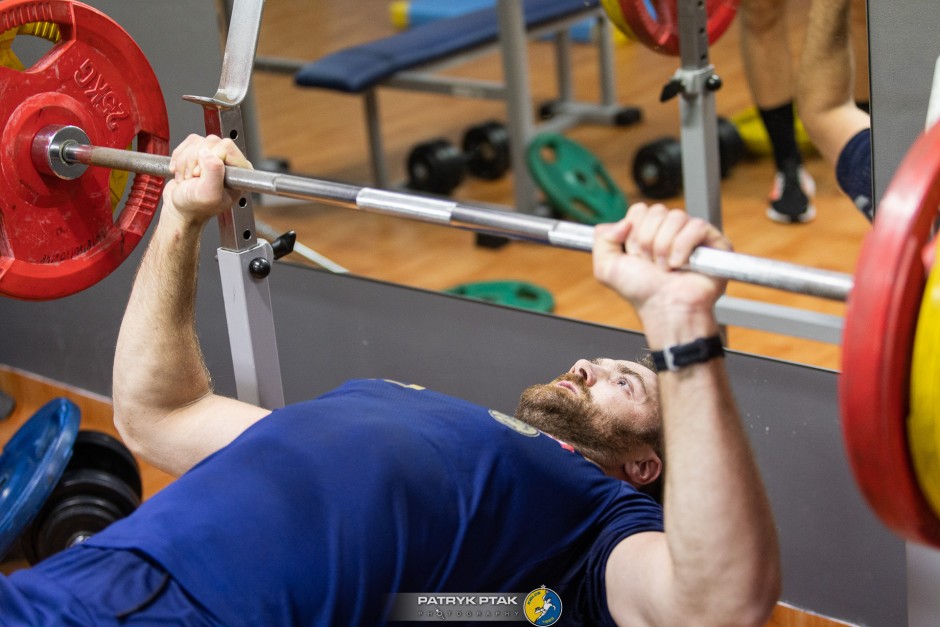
{"points": [[512, 293], [574, 180]]}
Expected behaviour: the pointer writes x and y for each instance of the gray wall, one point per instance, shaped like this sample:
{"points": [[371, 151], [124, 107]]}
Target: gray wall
{"points": [[838, 560], [903, 49]]}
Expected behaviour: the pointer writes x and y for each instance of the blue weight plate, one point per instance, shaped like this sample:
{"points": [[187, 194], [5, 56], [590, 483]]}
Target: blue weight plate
{"points": [[32, 463]]}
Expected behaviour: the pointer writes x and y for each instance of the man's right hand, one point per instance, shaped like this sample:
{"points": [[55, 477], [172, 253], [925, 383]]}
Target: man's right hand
{"points": [[640, 256], [197, 191]]}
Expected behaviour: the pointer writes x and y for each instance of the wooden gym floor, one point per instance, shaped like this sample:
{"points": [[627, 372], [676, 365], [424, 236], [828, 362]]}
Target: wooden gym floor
{"points": [[322, 134]]}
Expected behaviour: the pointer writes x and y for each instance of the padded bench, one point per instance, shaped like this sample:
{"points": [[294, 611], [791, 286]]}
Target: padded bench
{"points": [[362, 67], [410, 60]]}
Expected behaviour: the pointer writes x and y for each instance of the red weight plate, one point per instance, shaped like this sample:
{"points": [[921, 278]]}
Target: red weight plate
{"points": [[656, 22], [878, 342], [59, 237]]}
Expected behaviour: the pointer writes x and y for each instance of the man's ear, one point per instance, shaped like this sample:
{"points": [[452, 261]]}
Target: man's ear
{"points": [[644, 467]]}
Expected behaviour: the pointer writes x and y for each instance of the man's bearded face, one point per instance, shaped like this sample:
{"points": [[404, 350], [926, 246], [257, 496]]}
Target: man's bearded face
{"points": [[577, 420]]}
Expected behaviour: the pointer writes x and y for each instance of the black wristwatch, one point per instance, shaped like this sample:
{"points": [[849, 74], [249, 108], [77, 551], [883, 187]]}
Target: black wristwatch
{"points": [[680, 355]]}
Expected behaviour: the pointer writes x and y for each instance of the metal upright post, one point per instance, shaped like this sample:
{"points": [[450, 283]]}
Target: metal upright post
{"points": [[701, 178], [247, 105], [563, 65], [374, 133], [244, 262], [512, 39], [605, 56]]}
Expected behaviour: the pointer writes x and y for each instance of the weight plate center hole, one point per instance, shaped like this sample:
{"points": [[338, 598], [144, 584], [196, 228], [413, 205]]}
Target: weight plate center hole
{"points": [[548, 153], [24, 47]]}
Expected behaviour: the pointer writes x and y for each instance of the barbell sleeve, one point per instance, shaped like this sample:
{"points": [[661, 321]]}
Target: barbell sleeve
{"points": [[64, 153]]}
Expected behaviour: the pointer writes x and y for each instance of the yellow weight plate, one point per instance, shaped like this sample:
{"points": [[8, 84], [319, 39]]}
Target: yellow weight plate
{"points": [[45, 30], [7, 57], [398, 13], [118, 183], [923, 422], [757, 141], [612, 7]]}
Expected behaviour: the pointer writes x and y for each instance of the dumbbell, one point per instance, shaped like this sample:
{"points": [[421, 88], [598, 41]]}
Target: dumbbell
{"points": [[100, 485], [657, 166], [437, 166]]}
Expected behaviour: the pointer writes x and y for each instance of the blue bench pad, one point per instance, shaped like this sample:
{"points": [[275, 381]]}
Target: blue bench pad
{"points": [[357, 69]]}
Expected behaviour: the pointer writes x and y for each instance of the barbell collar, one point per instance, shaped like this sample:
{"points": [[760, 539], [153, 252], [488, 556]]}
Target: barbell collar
{"points": [[48, 146], [717, 263]]}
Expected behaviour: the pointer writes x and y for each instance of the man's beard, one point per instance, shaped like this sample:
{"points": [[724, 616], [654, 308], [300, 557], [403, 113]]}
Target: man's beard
{"points": [[578, 421]]}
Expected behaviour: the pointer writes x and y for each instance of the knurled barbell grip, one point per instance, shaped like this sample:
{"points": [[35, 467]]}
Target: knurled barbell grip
{"points": [[718, 263]]}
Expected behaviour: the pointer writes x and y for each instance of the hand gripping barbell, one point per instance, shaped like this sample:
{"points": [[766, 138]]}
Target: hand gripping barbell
{"points": [[80, 88]]}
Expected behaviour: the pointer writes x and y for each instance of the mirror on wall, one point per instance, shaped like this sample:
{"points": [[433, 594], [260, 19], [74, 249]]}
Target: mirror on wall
{"points": [[322, 133]]}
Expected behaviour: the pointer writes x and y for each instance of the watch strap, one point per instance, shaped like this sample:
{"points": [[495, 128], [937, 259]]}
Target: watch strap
{"points": [[678, 356]]}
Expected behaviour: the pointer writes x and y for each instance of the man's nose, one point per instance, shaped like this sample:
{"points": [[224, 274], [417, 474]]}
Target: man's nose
{"points": [[584, 369]]}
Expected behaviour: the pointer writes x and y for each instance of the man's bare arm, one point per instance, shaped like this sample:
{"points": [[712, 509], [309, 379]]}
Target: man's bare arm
{"points": [[164, 407], [718, 561]]}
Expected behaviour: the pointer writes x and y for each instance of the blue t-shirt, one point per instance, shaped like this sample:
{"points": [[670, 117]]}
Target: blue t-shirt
{"points": [[318, 512], [853, 172]]}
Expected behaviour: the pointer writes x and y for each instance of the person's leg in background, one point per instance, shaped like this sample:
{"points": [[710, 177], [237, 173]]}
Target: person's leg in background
{"points": [[768, 65], [827, 96], [860, 54]]}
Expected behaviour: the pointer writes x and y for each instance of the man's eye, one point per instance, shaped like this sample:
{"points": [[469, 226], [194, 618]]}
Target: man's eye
{"points": [[621, 382]]}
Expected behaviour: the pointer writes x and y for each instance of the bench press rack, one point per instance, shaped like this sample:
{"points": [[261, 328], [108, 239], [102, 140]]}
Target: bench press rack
{"points": [[248, 309]]}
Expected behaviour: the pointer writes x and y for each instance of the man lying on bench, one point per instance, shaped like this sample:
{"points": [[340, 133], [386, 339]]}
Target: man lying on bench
{"points": [[321, 512]]}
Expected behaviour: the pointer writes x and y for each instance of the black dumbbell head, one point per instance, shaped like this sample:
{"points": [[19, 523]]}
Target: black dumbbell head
{"points": [[100, 451], [486, 148], [435, 166], [83, 503], [657, 168]]}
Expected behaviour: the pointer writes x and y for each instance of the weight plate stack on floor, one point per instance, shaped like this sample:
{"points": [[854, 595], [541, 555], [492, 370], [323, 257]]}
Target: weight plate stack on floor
{"points": [[101, 485]]}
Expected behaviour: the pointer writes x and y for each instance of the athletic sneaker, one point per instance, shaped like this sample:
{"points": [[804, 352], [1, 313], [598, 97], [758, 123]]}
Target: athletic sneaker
{"points": [[791, 199]]}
